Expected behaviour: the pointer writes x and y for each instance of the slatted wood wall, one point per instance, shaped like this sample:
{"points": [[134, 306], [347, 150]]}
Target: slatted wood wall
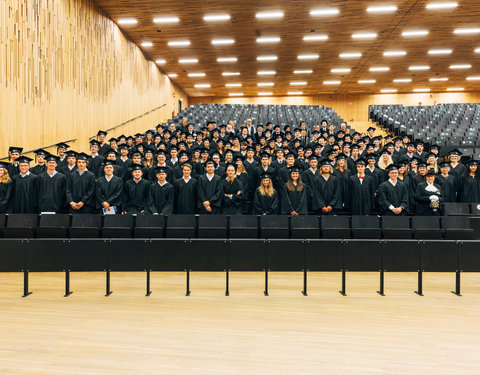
{"points": [[66, 71]]}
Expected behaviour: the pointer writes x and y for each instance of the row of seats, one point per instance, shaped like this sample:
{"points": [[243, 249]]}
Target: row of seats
{"points": [[235, 226]]}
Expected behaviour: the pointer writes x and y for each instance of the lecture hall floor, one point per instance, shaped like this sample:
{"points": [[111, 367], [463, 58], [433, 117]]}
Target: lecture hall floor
{"points": [[245, 333]]}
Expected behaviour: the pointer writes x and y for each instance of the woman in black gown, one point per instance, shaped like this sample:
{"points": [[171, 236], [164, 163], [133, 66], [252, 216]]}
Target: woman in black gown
{"points": [[5, 188], [265, 201], [294, 195], [469, 189], [232, 192]]}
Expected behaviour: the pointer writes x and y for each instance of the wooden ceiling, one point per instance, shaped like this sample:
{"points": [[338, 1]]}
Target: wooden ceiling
{"points": [[297, 23]]}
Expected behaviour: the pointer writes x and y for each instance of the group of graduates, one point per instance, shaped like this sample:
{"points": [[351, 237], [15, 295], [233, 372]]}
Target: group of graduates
{"points": [[247, 170]]}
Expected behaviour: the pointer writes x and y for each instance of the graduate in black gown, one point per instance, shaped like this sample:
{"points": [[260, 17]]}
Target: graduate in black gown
{"points": [[309, 179], [232, 191], [326, 191], [6, 187], [24, 200], [448, 183], [186, 192], [209, 190], [41, 167], [95, 160], [109, 189], [51, 187], [457, 169], [427, 195], [392, 194], [361, 190], [70, 163], [265, 200], [294, 195], [469, 187], [13, 167], [161, 195], [81, 188], [343, 174], [135, 197]]}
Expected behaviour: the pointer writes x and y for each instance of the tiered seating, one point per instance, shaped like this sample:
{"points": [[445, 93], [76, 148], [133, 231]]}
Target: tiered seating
{"points": [[444, 125], [260, 114]]}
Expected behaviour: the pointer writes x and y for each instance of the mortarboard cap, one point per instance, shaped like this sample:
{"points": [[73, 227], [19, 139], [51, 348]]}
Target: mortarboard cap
{"points": [[102, 132], [82, 156], [24, 159], [15, 149]]}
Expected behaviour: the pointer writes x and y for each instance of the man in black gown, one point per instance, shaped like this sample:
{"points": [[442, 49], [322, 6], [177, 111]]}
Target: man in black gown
{"points": [[109, 189], [24, 199], [81, 188], [326, 191], [186, 192], [161, 194], [136, 192], [209, 190], [392, 194], [95, 160], [361, 190], [41, 165], [448, 183], [427, 194], [51, 186]]}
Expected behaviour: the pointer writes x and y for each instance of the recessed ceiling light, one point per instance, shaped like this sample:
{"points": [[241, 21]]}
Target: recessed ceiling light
{"points": [[265, 93], [477, 50], [324, 12], [350, 55], [463, 31], [379, 69], [236, 94], [268, 39], [216, 17], [308, 56], [382, 8], [419, 67], [367, 81], [444, 51], [438, 79], [409, 33], [302, 71], [147, 44], [269, 15], [340, 70], [179, 43], [460, 66], [265, 84], [196, 74], [443, 5], [303, 83], [230, 73], [421, 90], [315, 38], [388, 90], [394, 53], [233, 85], [222, 42], [266, 72], [202, 85], [364, 36], [188, 61], [227, 59], [172, 75], [402, 80], [161, 61], [166, 20], [477, 78], [455, 89], [127, 21], [267, 58], [295, 93], [331, 82]]}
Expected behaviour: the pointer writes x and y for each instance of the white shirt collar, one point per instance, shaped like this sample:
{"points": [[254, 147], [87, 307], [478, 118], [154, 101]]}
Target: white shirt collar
{"points": [[210, 178], [162, 185], [393, 183], [186, 179], [108, 179], [53, 174]]}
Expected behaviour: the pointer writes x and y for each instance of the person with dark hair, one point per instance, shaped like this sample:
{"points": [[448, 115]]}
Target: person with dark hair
{"points": [[361, 191], [294, 195], [392, 194], [209, 191], [109, 189], [428, 196], [186, 192], [41, 166], [70, 163], [6, 188], [232, 192], [448, 182], [14, 154], [81, 188], [24, 200], [326, 190], [51, 186], [95, 160], [265, 200], [469, 190], [161, 197], [135, 193]]}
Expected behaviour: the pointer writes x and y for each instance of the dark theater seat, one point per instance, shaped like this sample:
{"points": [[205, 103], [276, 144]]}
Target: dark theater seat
{"points": [[457, 228], [366, 227], [396, 227], [212, 226], [335, 226], [427, 227], [53, 226], [85, 226], [149, 226], [21, 226], [305, 226], [458, 209], [243, 226], [117, 226], [181, 226], [274, 226]]}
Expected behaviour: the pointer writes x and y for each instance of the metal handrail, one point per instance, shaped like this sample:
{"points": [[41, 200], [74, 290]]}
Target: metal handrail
{"points": [[30, 151]]}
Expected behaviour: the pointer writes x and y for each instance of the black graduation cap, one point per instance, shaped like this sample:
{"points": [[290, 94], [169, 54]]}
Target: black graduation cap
{"points": [[62, 145], [324, 161], [182, 154], [392, 167], [312, 157], [421, 163], [430, 154], [123, 147], [112, 152], [371, 157], [40, 152], [430, 172], [410, 144], [136, 167], [223, 126], [14, 149], [472, 162], [444, 164], [148, 150], [355, 146], [82, 156], [130, 138], [51, 157], [94, 142], [160, 170], [385, 152], [160, 152], [3, 165], [122, 137], [331, 152], [402, 164], [371, 129], [361, 161], [264, 155], [108, 162], [71, 154], [113, 140], [149, 132], [434, 147], [419, 143], [204, 151], [265, 175], [341, 156], [294, 169], [455, 152], [24, 159], [140, 135], [102, 132], [250, 148]]}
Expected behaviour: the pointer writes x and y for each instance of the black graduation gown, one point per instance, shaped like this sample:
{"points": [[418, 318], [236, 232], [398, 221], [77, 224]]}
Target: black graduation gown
{"points": [[81, 188], [469, 190], [326, 193], [231, 201], [66, 170], [458, 171], [209, 191], [258, 172], [294, 200], [397, 196], [38, 169], [126, 165], [13, 170], [135, 196], [185, 196], [343, 184], [51, 192], [309, 180], [422, 198], [24, 200], [449, 188], [161, 199], [95, 165], [152, 175], [61, 163], [109, 191], [361, 195], [5, 196], [377, 174], [263, 204]]}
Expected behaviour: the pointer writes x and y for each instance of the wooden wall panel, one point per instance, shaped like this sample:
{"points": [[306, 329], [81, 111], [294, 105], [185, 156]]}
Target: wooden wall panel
{"points": [[66, 71]]}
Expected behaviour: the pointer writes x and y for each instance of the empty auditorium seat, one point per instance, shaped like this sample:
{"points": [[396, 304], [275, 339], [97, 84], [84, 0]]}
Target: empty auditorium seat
{"points": [[117, 226], [366, 227], [457, 228], [396, 227], [243, 226], [149, 226], [20, 226], [274, 226], [458, 209], [335, 226], [304, 226], [85, 226], [212, 226], [475, 207], [53, 226], [181, 226], [427, 227]]}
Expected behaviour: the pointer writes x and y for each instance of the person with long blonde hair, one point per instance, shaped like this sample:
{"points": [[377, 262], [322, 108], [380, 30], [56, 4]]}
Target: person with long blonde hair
{"points": [[385, 160], [5, 188], [265, 201], [432, 162], [294, 195]]}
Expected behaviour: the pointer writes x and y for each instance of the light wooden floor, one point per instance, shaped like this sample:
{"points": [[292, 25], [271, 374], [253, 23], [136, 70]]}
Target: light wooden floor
{"points": [[245, 333]]}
